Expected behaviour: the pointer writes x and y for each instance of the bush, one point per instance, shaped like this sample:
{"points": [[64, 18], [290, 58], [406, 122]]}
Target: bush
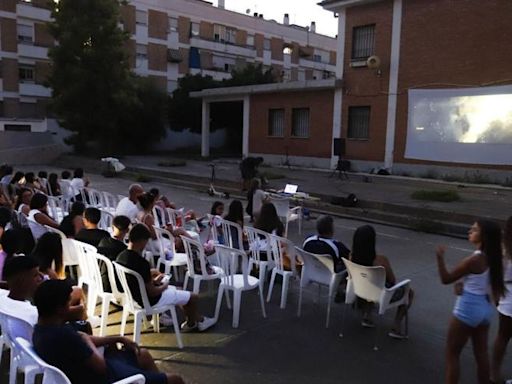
{"points": [[140, 178], [445, 196]]}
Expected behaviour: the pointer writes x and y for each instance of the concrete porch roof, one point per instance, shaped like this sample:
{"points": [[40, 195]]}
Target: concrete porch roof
{"points": [[336, 5], [293, 86]]}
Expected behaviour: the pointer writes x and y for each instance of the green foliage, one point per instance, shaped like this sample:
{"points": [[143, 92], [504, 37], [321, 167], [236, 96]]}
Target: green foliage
{"points": [[445, 196], [94, 93], [185, 112]]}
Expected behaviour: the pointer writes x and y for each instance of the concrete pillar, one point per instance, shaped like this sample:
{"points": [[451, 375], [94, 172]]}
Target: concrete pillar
{"points": [[205, 129], [393, 84], [246, 122], [338, 92]]}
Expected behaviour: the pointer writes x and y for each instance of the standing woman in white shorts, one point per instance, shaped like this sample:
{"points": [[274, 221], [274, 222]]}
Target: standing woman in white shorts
{"points": [[482, 286], [504, 308]]}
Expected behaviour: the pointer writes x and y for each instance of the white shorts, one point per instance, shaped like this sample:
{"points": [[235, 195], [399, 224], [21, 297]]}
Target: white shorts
{"points": [[173, 296]]}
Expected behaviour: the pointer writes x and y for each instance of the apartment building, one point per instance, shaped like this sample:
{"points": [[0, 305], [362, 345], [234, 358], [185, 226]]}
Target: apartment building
{"points": [[169, 39]]}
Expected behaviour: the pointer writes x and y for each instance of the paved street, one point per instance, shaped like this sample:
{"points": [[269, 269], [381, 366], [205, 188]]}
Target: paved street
{"points": [[285, 349]]}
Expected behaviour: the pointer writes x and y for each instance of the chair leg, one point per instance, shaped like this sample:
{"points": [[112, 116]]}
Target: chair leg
{"points": [[328, 311], [185, 281], [105, 306], [376, 340], [124, 318], [2, 344], [407, 322], [262, 302], [197, 285], [228, 300], [92, 299], [271, 286], [299, 305], [156, 323], [284, 290], [343, 320], [13, 368], [158, 264], [219, 301], [237, 298], [176, 327], [137, 325]]}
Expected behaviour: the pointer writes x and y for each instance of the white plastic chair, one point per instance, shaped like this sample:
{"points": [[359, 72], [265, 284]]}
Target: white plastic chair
{"points": [[194, 249], [231, 260], [288, 214], [160, 216], [282, 248], [96, 198], [13, 327], [110, 202], [57, 208], [53, 375], [319, 269], [369, 283], [106, 220], [87, 273], [36, 228], [260, 243], [232, 233], [165, 244], [140, 312]]}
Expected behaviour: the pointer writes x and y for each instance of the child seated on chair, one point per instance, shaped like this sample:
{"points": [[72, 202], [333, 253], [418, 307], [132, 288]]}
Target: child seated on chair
{"points": [[77, 354]]}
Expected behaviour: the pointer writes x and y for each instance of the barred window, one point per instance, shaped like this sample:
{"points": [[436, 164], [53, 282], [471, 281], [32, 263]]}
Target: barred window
{"points": [[359, 123], [363, 42], [300, 122], [26, 73], [276, 122]]}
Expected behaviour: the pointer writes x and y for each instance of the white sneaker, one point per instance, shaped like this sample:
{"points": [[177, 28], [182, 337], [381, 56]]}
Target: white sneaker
{"points": [[166, 320], [206, 323]]}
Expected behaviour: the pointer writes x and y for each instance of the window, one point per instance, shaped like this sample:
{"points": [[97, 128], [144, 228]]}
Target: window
{"points": [[363, 42], [25, 33], [317, 58], [173, 24], [250, 40], [219, 33], [26, 73], [17, 127], [300, 122], [231, 35], [142, 52], [276, 122], [266, 44], [194, 29], [141, 17], [358, 123]]}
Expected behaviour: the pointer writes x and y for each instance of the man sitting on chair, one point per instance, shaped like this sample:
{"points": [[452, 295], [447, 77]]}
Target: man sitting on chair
{"points": [[324, 243], [77, 354], [91, 234], [159, 293]]}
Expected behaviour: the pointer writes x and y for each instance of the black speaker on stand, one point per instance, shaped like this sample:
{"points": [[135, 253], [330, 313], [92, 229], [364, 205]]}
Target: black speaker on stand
{"points": [[339, 147]]}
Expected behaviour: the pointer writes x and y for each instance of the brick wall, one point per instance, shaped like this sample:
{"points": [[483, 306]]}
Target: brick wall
{"points": [[319, 142]]}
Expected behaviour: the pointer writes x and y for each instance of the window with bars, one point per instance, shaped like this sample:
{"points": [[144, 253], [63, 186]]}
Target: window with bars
{"points": [[26, 73], [276, 122], [363, 42], [300, 122], [231, 35], [359, 123]]}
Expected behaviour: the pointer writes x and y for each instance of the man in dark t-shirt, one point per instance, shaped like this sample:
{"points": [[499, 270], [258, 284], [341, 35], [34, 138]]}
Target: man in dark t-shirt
{"points": [[91, 234], [77, 354], [111, 247], [324, 243]]}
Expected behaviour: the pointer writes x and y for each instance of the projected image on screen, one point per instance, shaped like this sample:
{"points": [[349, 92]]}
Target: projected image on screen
{"points": [[471, 125], [467, 119]]}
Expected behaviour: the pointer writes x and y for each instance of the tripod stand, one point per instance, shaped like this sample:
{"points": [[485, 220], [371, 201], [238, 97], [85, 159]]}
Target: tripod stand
{"points": [[340, 170]]}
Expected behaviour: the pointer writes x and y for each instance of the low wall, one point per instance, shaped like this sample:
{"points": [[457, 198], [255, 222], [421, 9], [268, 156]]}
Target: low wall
{"points": [[23, 148]]}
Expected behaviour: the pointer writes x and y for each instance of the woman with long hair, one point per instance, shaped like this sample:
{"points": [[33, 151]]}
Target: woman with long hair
{"points": [[364, 253], [72, 223], [48, 253], [482, 274], [53, 185], [268, 220], [504, 308], [236, 215]]}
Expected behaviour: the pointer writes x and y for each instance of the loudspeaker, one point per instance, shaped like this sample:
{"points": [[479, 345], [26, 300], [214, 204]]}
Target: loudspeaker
{"points": [[339, 147]]}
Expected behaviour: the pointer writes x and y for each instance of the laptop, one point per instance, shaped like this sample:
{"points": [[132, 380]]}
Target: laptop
{"points": [[291, 189]]}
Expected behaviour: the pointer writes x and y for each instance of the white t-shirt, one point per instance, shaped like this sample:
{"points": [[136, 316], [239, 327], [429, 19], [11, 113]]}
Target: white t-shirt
{"points": [[257, 201], [65, 187], [76, 185], [37, 229], [21, 309], [127, 208], [505, 305]]}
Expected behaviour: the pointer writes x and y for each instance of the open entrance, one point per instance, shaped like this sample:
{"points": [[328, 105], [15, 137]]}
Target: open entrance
{"points": [[227, 117]]}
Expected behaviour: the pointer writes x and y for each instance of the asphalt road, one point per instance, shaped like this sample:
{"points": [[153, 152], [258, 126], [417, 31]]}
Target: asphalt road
{"points": [[285, 349]]}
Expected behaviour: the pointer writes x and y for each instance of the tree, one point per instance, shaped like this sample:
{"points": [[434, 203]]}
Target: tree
{"points": [[92, 86], [250, 74]]}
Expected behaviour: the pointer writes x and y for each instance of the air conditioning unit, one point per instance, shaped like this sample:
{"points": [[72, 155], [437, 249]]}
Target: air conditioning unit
{"points": [[174, 56]]}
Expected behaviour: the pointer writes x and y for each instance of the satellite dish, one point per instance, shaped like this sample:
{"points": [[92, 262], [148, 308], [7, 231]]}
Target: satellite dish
{"points": [[373, 62]]}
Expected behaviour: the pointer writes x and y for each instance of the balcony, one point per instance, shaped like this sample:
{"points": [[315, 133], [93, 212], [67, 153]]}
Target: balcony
{"points": [[224, 47], [34, 90], [26, 10], [32, 51]]}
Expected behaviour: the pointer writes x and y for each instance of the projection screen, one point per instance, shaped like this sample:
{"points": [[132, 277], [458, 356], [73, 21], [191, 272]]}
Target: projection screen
{"points": [[470, 125]]}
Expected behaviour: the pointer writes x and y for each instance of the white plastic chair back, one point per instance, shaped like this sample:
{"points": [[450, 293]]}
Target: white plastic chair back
{"points": [[57, 208], [194, 250], [123, 273], [367, 282], [259, 241], [281, 248], [282, 207], [57, 231], [110, 201], [232, 234], [85, 196], [22, 219], [69, 252], [53, 375], [85, 253], [106, 220], [111, 276], [13, 327], [160, 216], [233, 262], [165, 241], [36, 228], [95, 198], [176, 217], [317, 268]]}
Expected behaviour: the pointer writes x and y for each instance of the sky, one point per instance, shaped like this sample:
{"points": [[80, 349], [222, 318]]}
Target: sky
{"points": [[302, 12]]}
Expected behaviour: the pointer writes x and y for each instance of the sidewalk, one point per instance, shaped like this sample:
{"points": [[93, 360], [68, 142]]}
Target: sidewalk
{"points": [[381, 198]]}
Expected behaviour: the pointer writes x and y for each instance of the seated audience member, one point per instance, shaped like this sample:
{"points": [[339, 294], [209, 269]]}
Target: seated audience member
{"points": [[324, 243], [159, 294], [11, 245], [73, 222], [48, 253], [163, 202], [256, 197], [364, 253], [54, 185], [78, 182], [77, 354], [32, 183], [14, 184], [23, 278], [91, 234], [128, 206], [113, 246], [6, 174], [216, 212], [65, 185], [6, 216], [236, 215], [23, 200], [42, 180], [38, 216]]}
